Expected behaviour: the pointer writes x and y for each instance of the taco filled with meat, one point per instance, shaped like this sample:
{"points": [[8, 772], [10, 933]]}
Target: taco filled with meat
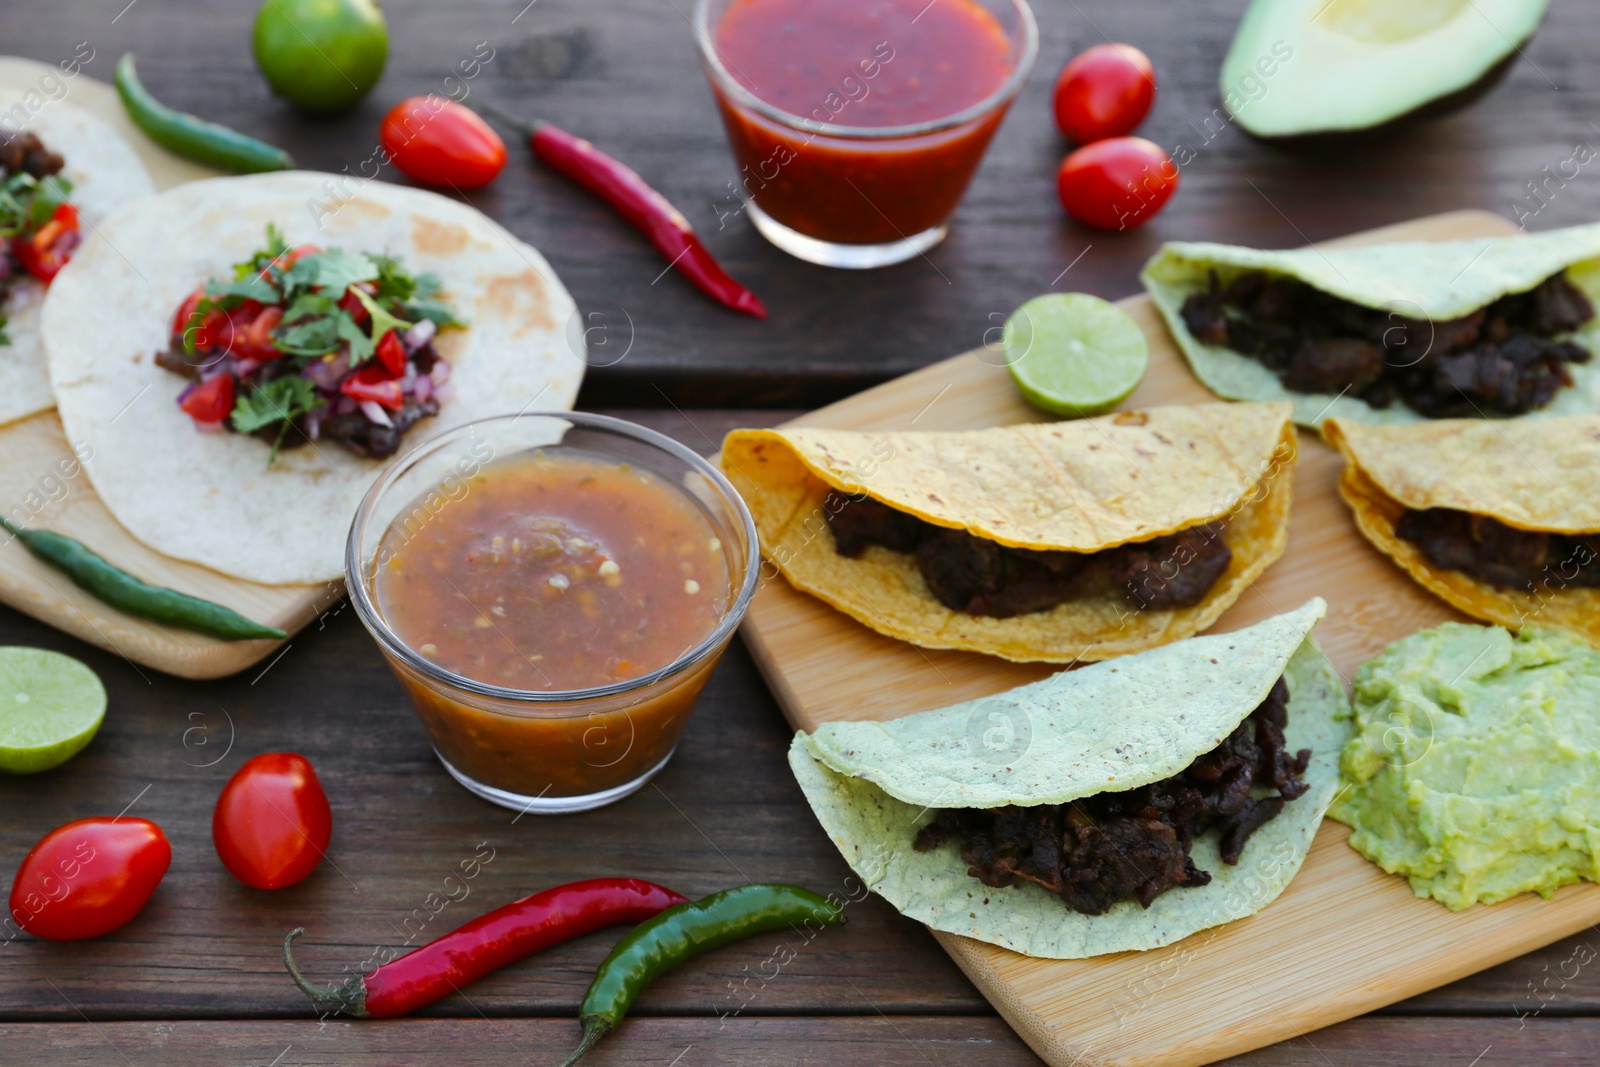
{"points": [[242, 366], [1502, 520], [1115, 808], [1049, 542], [1478, 328], [63, 171]]}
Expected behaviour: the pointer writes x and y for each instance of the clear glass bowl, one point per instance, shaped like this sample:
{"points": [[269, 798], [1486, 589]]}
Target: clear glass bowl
{"points": [[548, 751], [857, 196]]}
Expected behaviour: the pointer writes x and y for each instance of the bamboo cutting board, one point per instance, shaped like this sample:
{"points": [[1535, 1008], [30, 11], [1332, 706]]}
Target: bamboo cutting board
{"points": [[42, 484], [1345, 937]]}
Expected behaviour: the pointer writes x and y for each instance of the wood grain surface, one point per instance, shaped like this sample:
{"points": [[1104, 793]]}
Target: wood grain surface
{"points": [[196, 980], [1345, 937], [624, 73]]}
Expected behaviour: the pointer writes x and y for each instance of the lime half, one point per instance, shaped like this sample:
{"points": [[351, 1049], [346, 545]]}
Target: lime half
{"points": [[1074, 354], [50, 707]]}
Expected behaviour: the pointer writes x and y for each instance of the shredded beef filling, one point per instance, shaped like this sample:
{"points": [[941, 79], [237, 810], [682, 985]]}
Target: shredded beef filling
{"points": [[1134, 845], [1499, 360], [979, 577], [21, 153], [1501, 555]]}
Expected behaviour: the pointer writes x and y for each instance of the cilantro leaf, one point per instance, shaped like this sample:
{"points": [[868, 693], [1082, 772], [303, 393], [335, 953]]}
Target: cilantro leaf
{"points": [[394, 284], [308, 327], [382, 320], [250, 287], [337, 269], [26, 203], [425, 304], [361, 346], [279, 402], [5, 338]]}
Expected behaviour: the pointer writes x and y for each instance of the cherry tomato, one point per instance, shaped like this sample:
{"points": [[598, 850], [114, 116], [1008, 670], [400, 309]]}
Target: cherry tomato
{"points": [[440, 142], [392, 354], [255, 341], [1104, 91], [272, 822], [89, 877], [46, 250], [210, 401], [351, 304], [374, 384], [1116, 183]]}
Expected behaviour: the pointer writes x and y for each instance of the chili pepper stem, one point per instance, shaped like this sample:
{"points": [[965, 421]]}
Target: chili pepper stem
{"points": [[350, 998], [522, 126], [593, 1031]]}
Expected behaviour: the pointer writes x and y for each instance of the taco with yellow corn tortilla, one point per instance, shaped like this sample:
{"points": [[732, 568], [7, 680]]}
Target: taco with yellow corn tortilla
{"points": [[1115, 808], [1051, 542], [1500, 519], [1406, 332]]}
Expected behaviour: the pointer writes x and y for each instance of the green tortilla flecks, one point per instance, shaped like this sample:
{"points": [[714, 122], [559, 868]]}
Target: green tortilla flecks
{"points": [[1415, 280]]}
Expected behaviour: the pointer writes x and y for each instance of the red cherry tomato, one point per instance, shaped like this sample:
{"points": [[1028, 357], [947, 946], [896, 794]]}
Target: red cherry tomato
{"points": [[374, 384], [392, 354], [272, 822], [89, 877], [1117, 183], [440, 142], [255, 341], [46, 250], [1104, 91], [210, 401]]}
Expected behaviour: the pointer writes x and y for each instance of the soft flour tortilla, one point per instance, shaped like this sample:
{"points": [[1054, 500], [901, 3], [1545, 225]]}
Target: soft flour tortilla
{"points": [[1107, 727], [1541, 474], [1080, 486], [1415, 280], [105, 173], [210, 497]]}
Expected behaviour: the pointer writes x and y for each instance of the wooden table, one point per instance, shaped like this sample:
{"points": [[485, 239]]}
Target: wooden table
{"points": [[197, 979]]}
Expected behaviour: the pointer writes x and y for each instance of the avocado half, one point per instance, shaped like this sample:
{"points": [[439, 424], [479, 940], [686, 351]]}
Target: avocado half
{"points": [[1300, 67]]}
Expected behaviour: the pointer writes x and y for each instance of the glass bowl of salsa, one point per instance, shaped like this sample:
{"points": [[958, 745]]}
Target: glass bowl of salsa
{"points": [[552, 591], [857, 124]]}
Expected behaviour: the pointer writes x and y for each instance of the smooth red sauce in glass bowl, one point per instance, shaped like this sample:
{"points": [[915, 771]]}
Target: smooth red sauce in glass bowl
{"points": [[862, 63]]}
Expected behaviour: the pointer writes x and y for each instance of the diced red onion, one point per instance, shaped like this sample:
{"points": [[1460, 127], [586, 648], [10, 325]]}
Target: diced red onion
{"points": [[444, 392], [424, 388], [440, 372], [418, 335], [326, 373], [374, 411]]}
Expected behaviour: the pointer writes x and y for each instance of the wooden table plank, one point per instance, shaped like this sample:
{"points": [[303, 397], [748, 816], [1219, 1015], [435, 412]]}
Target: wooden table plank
{"points": [[909, 1041], [625, 74]]}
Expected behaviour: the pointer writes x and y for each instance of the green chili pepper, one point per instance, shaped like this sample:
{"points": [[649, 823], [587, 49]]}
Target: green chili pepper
{"points": [[195, 138], [660, 944], [126, 593]]}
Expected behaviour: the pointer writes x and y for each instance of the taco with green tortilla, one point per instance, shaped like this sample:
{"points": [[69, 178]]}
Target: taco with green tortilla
{"points": [[1052, 542], [1484, 327], [1115, 808], [1500, 519]]}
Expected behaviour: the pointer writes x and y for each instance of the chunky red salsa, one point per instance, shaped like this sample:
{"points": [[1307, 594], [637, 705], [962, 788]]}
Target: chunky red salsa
{"points": [[555, 571], [865, 64]]}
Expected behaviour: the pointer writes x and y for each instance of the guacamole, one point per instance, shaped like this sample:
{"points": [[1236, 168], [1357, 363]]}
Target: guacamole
{"points": [[1474, 767]]}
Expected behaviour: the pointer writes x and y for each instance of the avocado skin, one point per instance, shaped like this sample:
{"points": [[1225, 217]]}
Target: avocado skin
{"points": [[1434, 108]]}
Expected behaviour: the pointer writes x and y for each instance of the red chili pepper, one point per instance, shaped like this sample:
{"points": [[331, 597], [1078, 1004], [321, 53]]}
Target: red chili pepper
{"points": [[374, 384], [488, 943], [210, 401], [648, 211], [392, 354], [45, 251]]}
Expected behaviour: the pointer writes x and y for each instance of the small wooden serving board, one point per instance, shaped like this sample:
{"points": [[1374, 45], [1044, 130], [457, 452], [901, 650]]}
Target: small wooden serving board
{"points": [[42, 485], [1345, 937]]}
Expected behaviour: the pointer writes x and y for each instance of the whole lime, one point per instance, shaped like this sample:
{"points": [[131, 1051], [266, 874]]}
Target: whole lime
{"points": [[323, 55]]}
